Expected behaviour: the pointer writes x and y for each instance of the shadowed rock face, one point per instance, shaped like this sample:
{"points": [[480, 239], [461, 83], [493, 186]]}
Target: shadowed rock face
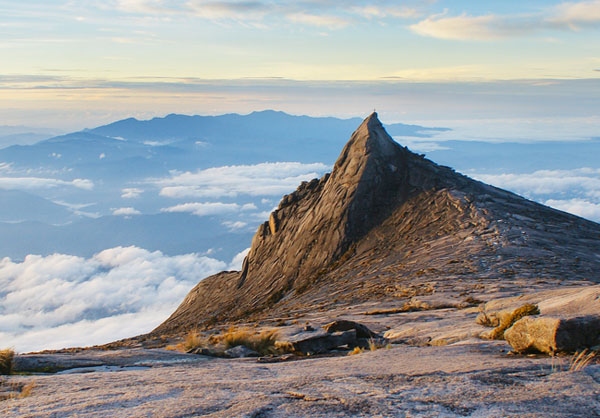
{"points": [[386, 218]]}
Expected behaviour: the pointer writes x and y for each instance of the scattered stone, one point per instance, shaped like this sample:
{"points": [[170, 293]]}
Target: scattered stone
{"points": [[344, 325], [51, 364], [554, 334], [322, 343], [240, 351], [210, 352], [308, 328], [377, 342], [278, 359]]}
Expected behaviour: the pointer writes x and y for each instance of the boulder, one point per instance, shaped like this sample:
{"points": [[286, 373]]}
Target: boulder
{"points": [[343, 325], [321, 343], [52, 363], [548, 334], [240, 351], [210, 352]]}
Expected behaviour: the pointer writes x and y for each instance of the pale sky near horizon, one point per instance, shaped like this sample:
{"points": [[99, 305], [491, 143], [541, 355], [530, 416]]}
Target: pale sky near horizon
{"points": [[71, 64]]}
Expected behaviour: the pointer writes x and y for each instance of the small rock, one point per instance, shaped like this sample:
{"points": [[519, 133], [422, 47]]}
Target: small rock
{"points": [[240, 351], [277, 359], [321, 343], [344, 325], [547, 334], [210, 352], [308, 328]]}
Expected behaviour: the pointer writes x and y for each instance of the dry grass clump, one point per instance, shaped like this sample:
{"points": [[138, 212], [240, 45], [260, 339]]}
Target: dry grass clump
{"points": [[377, 344], [191, 341], [373, 345], [262, 342], [6, 361], [15, 390], [357, 350], [581, 360], [508, 321], [194, 340]]}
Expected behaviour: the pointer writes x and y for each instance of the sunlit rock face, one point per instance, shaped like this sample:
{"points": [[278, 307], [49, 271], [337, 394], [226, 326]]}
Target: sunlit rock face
{"points": [[383, 218]]}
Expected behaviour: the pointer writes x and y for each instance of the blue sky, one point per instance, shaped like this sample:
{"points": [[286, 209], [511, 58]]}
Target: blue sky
{"points": [[72, 63]]}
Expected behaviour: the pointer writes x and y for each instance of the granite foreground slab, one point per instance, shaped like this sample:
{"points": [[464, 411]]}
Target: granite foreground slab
{"points": [[473, 378]]}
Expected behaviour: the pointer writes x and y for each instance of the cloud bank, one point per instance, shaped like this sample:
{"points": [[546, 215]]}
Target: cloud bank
{"points": [[209, 208], [269, 179], [567, 16], [575, 191], [62, 300], [31, 183]]}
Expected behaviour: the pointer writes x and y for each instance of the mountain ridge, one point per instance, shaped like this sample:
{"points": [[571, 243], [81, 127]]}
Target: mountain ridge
{"points": [[382, 217]]}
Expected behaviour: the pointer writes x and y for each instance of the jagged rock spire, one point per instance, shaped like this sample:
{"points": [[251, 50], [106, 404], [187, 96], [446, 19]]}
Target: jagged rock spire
{"points": [[383, 214]]}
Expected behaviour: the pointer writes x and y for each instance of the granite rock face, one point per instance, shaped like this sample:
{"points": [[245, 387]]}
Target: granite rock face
{"points": [[384, 224], [345, 325], [547, 334]]}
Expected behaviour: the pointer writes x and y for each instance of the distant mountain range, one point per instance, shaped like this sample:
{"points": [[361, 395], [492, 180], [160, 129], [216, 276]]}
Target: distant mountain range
{"points": [[184, 184]]}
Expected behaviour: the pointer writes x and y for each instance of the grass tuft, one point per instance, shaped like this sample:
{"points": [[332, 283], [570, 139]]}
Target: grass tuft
{"points": [[15, 390], [508, 321], [581, 360], [263, 342], [7, 357], [357, 350]]}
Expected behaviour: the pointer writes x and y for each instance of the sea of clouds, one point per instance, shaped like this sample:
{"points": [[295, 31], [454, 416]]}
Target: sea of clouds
{"points": [[62, 301], [575, 191]]}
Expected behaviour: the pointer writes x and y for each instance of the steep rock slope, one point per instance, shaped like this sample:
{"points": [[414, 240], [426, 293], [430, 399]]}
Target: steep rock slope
{"points": [[388, 223]]}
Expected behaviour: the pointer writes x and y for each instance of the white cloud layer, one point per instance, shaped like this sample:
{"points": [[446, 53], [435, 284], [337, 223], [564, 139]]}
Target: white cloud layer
{"points": [[62, 300], [327, 14], [209, 208], [578, 207], [131, 193], [465, 27], [126, 211], [272, 179], [571, 16], [583, 181], [575, 191], [30, 183], [238, 260]]}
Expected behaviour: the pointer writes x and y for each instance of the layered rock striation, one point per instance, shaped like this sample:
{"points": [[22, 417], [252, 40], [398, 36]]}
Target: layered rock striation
{"points": [[388, 223]]}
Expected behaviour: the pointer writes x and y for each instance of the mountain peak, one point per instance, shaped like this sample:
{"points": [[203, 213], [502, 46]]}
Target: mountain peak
{"points": [[386, 217]]}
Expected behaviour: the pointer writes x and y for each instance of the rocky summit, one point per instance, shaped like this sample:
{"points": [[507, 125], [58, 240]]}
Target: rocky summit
{"points": [[439, 286], [387, 225]]}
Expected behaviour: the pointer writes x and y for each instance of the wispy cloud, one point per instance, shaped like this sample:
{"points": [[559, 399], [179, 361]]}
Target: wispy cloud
{"points": [[61, 300], [208, 208], [129, 211], [236, 263], [575, 191], [542, 182], [328, 21], [579, 207], [374, 11], [29, 183], [331, 15], [478, 28], [576, 15], [272, 179], [237, 10], [565, 16], [131, 193]]}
